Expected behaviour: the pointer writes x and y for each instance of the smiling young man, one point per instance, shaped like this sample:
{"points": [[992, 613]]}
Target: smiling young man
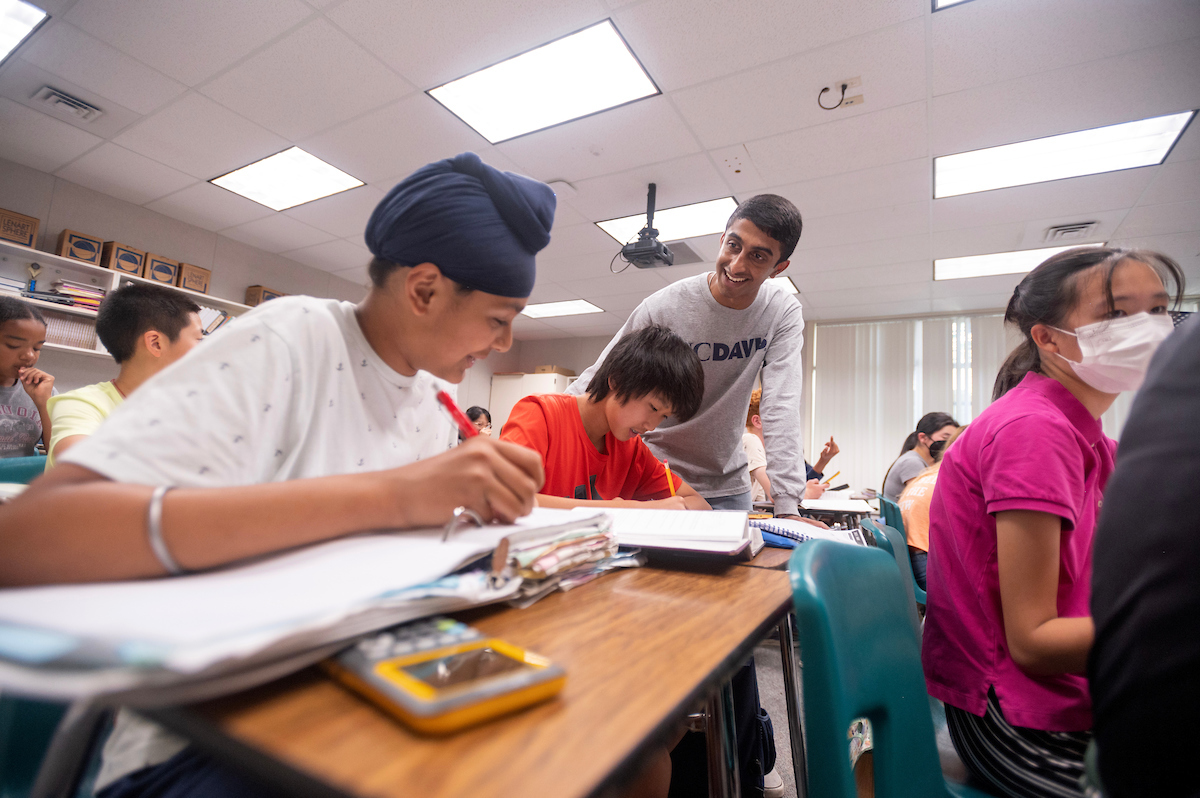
{"points": [[737, 322], [591, 445], [304, 420]]}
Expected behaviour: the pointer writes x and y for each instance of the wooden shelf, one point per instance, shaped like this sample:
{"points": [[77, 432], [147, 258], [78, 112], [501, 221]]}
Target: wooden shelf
{"points": [[75, 350], [74, 310], [49, 260], [211, 301]]}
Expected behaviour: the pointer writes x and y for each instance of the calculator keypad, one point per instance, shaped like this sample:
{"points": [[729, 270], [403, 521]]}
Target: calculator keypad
{"points": [[417, 636]]}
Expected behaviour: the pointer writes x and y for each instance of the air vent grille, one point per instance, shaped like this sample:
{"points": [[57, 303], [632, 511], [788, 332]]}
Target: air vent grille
{"points": [[1077, 231], [64, 104]]}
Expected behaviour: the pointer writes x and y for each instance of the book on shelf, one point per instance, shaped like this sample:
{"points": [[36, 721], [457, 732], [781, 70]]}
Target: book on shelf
{"points": [[88, 296], [69, 330], [212, 319], [43, 296], [13, 286]]}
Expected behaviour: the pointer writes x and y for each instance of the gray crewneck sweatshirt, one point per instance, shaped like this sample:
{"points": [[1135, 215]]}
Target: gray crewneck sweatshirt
{"points": [[733, 346]]}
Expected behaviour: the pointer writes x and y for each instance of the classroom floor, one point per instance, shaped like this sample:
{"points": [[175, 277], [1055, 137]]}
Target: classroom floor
{"points": [[769, 666]]}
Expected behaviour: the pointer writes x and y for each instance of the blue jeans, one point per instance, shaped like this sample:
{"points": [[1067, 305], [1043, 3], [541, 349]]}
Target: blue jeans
{"points": [[738, 501], [188, 774], [919, 560]]}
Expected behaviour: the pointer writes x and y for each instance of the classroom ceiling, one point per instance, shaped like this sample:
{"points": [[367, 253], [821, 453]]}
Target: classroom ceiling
{"points": [[192, 89]]}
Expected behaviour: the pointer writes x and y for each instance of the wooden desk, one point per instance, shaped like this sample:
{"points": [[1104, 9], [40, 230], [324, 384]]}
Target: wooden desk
{"points": [[642, 648]]}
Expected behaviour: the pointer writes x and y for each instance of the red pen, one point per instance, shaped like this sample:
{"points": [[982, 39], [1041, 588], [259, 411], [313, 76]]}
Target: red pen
{"points": [[465, 427]]}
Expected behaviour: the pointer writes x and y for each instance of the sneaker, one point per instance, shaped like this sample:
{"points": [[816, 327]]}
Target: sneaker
{"points": [[773, 784]]}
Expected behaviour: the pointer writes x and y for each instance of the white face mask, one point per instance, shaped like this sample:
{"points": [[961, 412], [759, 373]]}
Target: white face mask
{"points": [[1116, 353]]}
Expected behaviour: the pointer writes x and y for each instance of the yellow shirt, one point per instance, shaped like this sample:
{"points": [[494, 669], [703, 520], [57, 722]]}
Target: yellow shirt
{"points": [[914, 508], [80, 412]]}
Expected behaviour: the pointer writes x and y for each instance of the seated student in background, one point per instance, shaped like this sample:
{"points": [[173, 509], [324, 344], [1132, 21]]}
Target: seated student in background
{"points": [[481, 418], [914, 508], [1007, 626], [828, 452], [591, 445], [756, 457], [914, 456], [145, 328], [305, 420], [1144, 668], [24, 390]]}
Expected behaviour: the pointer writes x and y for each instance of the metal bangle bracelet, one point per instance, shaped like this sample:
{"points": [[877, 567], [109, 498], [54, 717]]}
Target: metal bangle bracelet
{"points": [[154, 532]]}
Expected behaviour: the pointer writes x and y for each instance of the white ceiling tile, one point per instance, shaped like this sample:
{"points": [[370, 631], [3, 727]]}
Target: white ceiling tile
{"points": [[572, 243], [125, 175], [344, 215], [308, 81], [858, 254], [1105, 224], [22, 81], [629, 281], [36, 140], [197, 136], [998, 285], [277, 233], [525, 328], [682, 43], [962, 241], [547, 291], [868, 294], [332, 256], [678, 182], [877, 310], [1188, 146], [874, 139], [621, 304], [565, 215], [588, 321], [644, 132], [1174, 181], [189, 40], [65, 50], [867, 225], [606, 328], [983, 43], [357, 275], [971, 304], [1152, 220], [210, 207], [782, 95], [412, 38], [889, 274], [877, 187], [1123, 88], [392, 142]]}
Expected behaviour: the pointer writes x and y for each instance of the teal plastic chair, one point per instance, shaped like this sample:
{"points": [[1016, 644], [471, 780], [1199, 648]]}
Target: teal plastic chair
{"points": [[893, 541], [21, 470], [862, 660], [891, 514]]}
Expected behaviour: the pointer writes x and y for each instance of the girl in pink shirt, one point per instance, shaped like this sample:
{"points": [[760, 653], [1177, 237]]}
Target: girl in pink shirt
{"points": [[1007, 629]]}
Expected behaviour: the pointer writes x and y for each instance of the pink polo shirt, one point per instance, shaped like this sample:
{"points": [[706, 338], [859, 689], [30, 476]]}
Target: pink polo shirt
{"points": [[1035, 448]]}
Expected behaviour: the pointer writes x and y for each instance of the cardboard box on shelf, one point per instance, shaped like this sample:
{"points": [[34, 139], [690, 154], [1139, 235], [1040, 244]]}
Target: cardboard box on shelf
{"points": [[18, 228], [80, 246], [160, 269], [193, 278], [554, 370], [258, 294], [122, 258]]}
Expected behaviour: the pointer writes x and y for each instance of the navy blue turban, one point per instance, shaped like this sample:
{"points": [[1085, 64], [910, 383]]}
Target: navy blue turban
{"points": [[480, 226]]}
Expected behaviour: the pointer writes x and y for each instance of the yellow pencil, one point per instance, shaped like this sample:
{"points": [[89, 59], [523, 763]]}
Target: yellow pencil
{"points": [[829, 479], [670, 479]]}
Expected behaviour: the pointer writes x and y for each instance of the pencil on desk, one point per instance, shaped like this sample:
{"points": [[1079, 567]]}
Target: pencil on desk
{"points": [[670, 479], [828, 479]]}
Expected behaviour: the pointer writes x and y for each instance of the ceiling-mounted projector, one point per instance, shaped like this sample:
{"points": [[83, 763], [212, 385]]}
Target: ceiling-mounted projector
{"points": [[648, 252]]}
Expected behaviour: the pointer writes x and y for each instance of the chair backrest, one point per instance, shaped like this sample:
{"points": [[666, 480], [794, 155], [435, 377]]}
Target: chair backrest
{"points": [[26, 727], [861, 659], [22, 469], [898, 547], [891, 514]]}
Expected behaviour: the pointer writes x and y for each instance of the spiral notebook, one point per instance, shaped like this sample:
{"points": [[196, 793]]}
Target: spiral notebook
{"points": [[798, 532]]}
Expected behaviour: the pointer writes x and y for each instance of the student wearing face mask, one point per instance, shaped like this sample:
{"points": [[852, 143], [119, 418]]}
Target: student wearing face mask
{"points": [[1007, 629], [916, 455]]}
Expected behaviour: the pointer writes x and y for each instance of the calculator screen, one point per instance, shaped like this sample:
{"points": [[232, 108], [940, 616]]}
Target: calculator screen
{"points": [[463, 667]]}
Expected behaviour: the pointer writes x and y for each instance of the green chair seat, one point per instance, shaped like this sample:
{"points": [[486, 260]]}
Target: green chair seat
{"points": [[22, 470]]}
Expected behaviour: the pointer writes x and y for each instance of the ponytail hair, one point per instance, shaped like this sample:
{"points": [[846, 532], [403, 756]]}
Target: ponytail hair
{"points": [[929, 424], [1049, 292]]}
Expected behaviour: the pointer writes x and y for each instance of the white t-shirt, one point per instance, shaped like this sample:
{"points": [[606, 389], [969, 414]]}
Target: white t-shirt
{"points": [[756, 457], [291, 390]]}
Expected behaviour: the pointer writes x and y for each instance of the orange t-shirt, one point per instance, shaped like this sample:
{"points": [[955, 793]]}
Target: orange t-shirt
{"points": [[914, 508], [550, 425]]}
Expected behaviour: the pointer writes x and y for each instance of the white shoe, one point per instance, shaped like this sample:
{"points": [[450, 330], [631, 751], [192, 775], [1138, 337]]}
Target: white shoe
{"points": [[773, 784]]}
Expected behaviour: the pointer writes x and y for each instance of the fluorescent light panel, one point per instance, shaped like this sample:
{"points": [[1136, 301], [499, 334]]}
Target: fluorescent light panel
{"points": [[940, 4], [1084, 152], [580, 74], [18, 19], [572, 307], [675, 224], [997, 263], [287, 179]]}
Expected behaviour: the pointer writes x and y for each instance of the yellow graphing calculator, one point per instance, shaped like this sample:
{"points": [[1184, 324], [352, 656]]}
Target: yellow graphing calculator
{"points": [[439, 675]]}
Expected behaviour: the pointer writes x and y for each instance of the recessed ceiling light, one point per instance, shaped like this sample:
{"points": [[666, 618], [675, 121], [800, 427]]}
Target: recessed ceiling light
{"points": [[786, 284], [18, 20], [674, 224], [938, 4], [996, 263], [572, 307], [578, 75], [1084, 152], [287, 179]]}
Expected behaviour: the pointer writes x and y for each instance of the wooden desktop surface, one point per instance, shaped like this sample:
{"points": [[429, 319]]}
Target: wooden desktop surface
{"points": [[642, 648]]}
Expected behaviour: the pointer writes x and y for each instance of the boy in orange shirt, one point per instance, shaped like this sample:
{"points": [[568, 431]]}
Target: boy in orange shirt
{"points": [[591, 446]]}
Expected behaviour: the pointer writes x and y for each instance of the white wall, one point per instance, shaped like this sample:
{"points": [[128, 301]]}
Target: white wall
{"points": [[60, 205]]}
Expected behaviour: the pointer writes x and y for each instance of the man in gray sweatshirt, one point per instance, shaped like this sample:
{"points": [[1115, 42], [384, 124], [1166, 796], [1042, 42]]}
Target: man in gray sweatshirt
{"points": [[738, 322]]}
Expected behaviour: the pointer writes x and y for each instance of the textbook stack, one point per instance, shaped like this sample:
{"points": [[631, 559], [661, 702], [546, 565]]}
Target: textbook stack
{"points": [[212, 319], [69, 330], [10, 286], [85, 296]]}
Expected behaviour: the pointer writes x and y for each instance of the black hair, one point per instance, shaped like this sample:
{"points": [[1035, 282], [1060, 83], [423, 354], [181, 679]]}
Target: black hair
{"points": [[134, 309], [652, 360], [929, 424], [1049, 292], [380, 270], [13, 309], [776, 216], [475, 411]]}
